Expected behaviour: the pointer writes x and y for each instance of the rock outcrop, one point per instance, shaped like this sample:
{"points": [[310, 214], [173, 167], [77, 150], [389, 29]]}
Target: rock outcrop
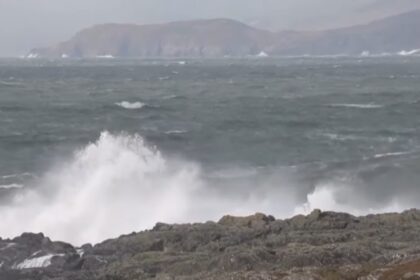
{"points": [[322, 245]]}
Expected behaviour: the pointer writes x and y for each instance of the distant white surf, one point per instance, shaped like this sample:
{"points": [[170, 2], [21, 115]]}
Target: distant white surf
{"points": [[408, 53], [32, 55], [414, 52], [106, 56], [262, 54], [130, 105]]}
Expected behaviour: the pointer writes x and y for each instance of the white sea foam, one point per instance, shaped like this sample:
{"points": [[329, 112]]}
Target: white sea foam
{"points": [[358, 106], [342, 197], [130, 105], [80, 252], [38, 262]]}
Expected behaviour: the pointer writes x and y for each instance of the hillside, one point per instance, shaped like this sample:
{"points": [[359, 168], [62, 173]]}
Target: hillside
{"points": [[322, 245], [201, 38], [223, 37], [389, 35]]}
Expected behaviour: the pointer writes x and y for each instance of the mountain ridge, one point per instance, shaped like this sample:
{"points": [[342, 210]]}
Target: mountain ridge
{"points": [[230, 38]]}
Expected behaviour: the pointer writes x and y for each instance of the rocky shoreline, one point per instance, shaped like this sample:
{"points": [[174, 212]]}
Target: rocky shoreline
{"points": [[322, 245]]}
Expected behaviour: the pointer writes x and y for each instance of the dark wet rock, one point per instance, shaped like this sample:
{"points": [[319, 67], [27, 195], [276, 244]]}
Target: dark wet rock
{"points": [[322, 245], [255, 221]]}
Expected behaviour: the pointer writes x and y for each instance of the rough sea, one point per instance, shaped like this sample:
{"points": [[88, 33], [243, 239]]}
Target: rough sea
{"points": [[92, 149]]}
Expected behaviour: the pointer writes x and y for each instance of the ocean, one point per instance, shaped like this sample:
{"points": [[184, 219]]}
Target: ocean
{"points": [[91, 149]]}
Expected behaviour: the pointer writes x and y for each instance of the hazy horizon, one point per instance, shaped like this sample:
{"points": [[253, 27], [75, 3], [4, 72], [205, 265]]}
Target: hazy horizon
{"points": [[48, 22]]}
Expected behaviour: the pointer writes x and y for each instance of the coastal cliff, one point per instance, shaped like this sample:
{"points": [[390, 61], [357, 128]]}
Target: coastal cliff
{"points": [[215, 38]]}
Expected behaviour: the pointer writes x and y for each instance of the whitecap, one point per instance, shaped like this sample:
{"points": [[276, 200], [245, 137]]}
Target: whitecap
{"points": [[176, 131], [340, 137], [169, 97], [130, 105], [11, 186], [17, 175], [357, 106], [391, 154]]}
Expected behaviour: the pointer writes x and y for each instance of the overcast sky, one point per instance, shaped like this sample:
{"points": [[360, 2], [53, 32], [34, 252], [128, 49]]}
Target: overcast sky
{"points": [[25, 24]]}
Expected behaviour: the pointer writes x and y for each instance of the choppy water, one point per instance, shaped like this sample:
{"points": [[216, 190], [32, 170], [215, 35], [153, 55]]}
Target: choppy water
{"points": [[190, 142]]}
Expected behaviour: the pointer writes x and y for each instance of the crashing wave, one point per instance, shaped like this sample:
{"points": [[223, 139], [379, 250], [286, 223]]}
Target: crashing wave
{"points": [[120, 184]]}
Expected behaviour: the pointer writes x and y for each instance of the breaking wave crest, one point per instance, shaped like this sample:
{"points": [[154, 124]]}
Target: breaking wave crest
{"points": [[130, 105], [119, 184], [358, 106]]}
